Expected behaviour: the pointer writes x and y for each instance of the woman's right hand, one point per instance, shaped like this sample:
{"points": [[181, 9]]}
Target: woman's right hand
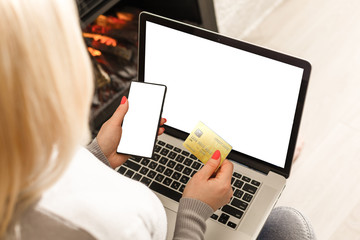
{"points": [[209, 187]]}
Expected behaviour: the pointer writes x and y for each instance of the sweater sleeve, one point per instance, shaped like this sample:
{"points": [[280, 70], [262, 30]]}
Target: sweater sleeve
{"points": [[95, 149], [190, 220]]}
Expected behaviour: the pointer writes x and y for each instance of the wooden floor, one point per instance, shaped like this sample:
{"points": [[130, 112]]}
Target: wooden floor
{"points": [[325, 180]]}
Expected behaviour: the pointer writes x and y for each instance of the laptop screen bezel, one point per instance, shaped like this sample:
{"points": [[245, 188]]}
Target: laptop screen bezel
{"points": [[241, 158]]}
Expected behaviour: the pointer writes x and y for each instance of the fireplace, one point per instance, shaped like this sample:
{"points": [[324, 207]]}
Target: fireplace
{"points": [[110, 33]]}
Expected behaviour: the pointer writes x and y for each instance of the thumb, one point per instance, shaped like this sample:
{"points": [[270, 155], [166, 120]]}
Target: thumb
{"points": [[211, 165], [119, 114]]}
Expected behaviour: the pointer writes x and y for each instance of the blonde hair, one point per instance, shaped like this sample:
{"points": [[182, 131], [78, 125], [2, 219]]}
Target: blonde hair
{"points": [[46, 86]]}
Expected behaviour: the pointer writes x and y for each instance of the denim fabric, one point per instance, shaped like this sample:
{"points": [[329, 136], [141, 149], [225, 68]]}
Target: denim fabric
{"points": [[287, 223]]}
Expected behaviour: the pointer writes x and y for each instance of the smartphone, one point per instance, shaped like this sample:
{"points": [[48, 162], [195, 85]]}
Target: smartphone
{"points": [[141, 123]]}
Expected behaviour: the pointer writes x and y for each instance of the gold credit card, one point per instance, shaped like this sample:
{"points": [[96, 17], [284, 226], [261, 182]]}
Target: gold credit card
{"points": [[203, 142]]}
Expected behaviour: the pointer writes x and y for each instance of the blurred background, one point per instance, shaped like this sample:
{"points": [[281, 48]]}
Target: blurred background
{"points": [[325, 182]]}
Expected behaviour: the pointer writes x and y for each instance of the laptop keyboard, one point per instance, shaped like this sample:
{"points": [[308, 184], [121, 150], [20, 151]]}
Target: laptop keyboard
{"points": [[171, 169]]}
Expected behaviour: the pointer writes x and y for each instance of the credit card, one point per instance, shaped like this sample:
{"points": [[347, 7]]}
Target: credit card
{"points": [[203, 142]]}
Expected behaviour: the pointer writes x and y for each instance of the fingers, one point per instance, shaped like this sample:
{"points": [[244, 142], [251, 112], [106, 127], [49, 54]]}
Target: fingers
{"points": [[210, 167], [225, 171], [224, 175], [163, 121], [120, 112], [161, 129]]}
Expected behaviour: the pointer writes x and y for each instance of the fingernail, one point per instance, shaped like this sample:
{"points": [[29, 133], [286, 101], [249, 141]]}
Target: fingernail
{"points": [[165, 120], [216, 155], [123, 100]]}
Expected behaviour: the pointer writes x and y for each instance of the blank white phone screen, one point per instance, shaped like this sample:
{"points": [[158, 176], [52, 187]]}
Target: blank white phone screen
{"points": [[141, 122]]}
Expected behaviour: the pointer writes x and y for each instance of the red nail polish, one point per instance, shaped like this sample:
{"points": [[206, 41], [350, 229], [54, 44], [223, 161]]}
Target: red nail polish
{"points": [[123, 100], [216, 155]]}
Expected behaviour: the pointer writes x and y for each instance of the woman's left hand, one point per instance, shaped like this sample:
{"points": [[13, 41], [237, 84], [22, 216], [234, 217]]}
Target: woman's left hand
{"points": [[110, 132]]}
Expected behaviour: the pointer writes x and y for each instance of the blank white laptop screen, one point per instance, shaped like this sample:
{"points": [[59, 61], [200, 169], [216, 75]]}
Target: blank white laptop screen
{"points": [[247, 99]]}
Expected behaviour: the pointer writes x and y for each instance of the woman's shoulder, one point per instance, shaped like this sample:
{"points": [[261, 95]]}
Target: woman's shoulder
{"points": [[95, 197]]}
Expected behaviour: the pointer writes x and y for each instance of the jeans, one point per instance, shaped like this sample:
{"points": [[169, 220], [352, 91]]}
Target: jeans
{"points": [[286, 223]]}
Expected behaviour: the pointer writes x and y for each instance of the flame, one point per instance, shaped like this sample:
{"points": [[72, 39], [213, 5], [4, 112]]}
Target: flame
{"points": [[94, 52], [103, 39], [113, 22], [125, 16]]}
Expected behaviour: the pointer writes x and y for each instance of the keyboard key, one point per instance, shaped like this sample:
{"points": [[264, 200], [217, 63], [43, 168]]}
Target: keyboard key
{"points": [[214, 216], [256, 183], [172, 155], [169, 146], [156, 157], [238, 183], [129, 173], [224, 218], [175, 185], [164, 151], [157, 148], [185, 153], [238, 193], [171, 164], [181, 189], [179, 167], [145, 161], [188, 162], [249, 188], [136, 159], [232, 180], [161, 143], [246, 179], [167, 181], [187, 171], [122, 170], [176, 176], [193, 157], [163, 160], [160, 168], [165, 191], [237, 175], [232, 211], [168, 172], [247, 197], [178, 150], [152, 165], [137, 177], [231, 224], [151, 174], [239, 204], [196, 165], [144, 170], [133, 165], [145, 181], [159, 177], [184, 179], [180, 158]]}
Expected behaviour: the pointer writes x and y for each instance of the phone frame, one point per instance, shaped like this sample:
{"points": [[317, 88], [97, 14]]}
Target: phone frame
{"points": [[160, 115]]}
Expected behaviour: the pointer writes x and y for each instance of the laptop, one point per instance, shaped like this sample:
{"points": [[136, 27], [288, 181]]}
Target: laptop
{"points": [[251, 96]]}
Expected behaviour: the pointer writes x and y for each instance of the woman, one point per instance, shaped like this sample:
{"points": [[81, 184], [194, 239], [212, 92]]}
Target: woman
{"points": [[47, 181], [50, 187]]}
